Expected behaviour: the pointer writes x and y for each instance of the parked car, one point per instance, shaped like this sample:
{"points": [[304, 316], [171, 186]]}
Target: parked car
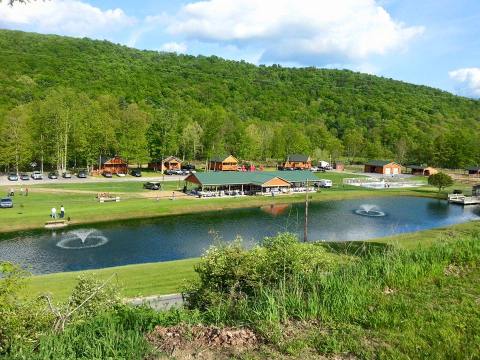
{"points": [[37, 175], [52, 175], [6, 203], [325, 183], [13, 177], [24, 177], [67, 175], [152, 185], [107, 174], [168, 172], [82, 174], [120, 174], [188, 169], [136, 173]]}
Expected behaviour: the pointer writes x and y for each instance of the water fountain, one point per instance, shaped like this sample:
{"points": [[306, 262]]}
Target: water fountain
{"points": [[82, 239], [369, 210]]}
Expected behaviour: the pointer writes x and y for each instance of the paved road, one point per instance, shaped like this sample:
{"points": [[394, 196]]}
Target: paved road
{"points": [[91, 179], [159, 302]]}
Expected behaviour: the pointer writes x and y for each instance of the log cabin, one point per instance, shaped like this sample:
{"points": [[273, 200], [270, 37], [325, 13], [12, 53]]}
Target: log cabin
{"points": [[114, 165], [223, 163], [474, 171], [297, 161], [169, 163]]}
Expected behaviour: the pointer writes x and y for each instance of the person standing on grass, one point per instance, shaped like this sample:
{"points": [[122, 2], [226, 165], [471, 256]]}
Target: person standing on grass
{"points": [[173, 195], [62, 212], [26, 191], [21, 191], [54, 213]]}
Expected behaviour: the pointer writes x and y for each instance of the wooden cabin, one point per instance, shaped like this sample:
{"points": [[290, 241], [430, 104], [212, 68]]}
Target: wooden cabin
{"points": [[115, 165], [297, 161], [422, 170], [383, 167], [169, 163], [223, 163]]}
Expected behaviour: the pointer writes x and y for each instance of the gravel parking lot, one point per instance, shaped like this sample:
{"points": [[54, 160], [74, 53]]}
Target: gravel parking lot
{"points": [[92, 179]]}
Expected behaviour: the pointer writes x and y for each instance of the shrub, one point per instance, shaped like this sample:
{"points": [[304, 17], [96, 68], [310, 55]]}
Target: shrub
{"points": [[229, 272], [20, 321]]}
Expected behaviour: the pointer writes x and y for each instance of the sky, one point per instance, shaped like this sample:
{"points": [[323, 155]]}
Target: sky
{"points": [[428, 42]]}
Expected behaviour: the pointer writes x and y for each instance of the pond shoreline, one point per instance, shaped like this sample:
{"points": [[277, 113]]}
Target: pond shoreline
{"points": [[182, 207], [167, 277]]}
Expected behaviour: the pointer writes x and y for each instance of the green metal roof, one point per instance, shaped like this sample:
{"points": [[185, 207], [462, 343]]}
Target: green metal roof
{"points": [[219, 158], [219, 178], [378, 162]]}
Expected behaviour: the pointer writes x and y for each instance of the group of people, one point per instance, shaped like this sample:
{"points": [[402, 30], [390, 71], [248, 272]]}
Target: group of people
{"points": [[11, 191], [53, 213]]}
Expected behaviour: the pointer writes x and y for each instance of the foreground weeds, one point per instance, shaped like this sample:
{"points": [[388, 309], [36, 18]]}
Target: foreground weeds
{"points": [[295, 300]]}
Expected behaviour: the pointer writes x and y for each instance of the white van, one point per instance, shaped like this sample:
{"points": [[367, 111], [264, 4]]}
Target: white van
{"points": [[324, 183]]}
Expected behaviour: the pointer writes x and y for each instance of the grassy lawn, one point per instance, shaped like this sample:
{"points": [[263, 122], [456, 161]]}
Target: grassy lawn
{"points": [[134, 280], [31, 212], [114, 186]]}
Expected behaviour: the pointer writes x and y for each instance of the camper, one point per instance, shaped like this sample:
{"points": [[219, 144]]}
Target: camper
{"points": [[325, 183], [324, 165]]}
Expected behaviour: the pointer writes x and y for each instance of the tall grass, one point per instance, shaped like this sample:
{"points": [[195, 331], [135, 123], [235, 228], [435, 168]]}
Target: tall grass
{"points": [[348, 293]]}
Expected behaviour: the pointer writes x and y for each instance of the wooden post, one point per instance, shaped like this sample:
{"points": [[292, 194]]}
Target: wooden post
{"points": [[305, 227]]}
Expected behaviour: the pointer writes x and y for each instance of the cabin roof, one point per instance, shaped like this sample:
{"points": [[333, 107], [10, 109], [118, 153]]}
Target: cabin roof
{"points": [[419, 167], [172, 158], [298, 158], [116, 160], [380, 162], [250, 177], [223, 158]]}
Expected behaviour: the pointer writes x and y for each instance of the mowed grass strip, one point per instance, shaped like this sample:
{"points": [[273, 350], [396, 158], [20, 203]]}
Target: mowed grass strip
{"points": [[133, 280]]}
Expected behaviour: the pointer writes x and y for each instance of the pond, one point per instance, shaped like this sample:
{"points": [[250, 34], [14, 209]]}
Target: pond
{"points": [[185, 236]]}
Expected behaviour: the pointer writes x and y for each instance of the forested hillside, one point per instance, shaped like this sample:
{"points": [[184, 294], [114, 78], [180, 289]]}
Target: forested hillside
{"points": [[66, 101]]}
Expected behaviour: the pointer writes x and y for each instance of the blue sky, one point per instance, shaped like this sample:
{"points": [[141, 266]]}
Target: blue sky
{"points": [[431, 42]]}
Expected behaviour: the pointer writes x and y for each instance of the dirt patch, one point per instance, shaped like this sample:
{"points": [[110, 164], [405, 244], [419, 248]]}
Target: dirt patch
{"points": [[202, 342]]}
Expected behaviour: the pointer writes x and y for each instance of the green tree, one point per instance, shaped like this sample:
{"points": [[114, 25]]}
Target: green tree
{"points": [[440, 180], [131, 134], [191, 139], [353, 142], [16, 139]]}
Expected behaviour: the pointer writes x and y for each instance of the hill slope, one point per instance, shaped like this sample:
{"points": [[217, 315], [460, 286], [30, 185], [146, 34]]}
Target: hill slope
{"points": [[328, 110]]}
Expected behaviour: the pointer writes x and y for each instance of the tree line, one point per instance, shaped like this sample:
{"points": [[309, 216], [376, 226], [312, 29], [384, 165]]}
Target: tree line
{"points": [[65, 102], [69, 129]]}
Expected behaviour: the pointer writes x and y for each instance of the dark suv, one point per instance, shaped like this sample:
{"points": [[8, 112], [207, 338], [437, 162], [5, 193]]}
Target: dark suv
{"points": [[136, 173], [151, 185]]}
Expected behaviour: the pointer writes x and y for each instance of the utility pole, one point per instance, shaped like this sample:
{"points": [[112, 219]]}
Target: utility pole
{"points": [[305, 227]]}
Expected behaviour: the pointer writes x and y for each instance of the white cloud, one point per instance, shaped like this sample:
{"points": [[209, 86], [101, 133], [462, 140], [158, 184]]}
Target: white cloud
{"points": [[469, 79], [174, 47], [289, 30], [67, 17]]}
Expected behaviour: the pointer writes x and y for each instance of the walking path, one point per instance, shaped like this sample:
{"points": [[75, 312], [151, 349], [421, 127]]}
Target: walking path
{"points": [[158, 302]]}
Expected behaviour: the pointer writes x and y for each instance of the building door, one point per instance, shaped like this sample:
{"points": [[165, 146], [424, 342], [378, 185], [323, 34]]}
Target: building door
{"points": [[395, 171], [388, 171]]}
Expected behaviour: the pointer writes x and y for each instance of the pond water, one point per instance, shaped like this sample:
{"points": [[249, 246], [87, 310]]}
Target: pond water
{"points": [[185, 236]]}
